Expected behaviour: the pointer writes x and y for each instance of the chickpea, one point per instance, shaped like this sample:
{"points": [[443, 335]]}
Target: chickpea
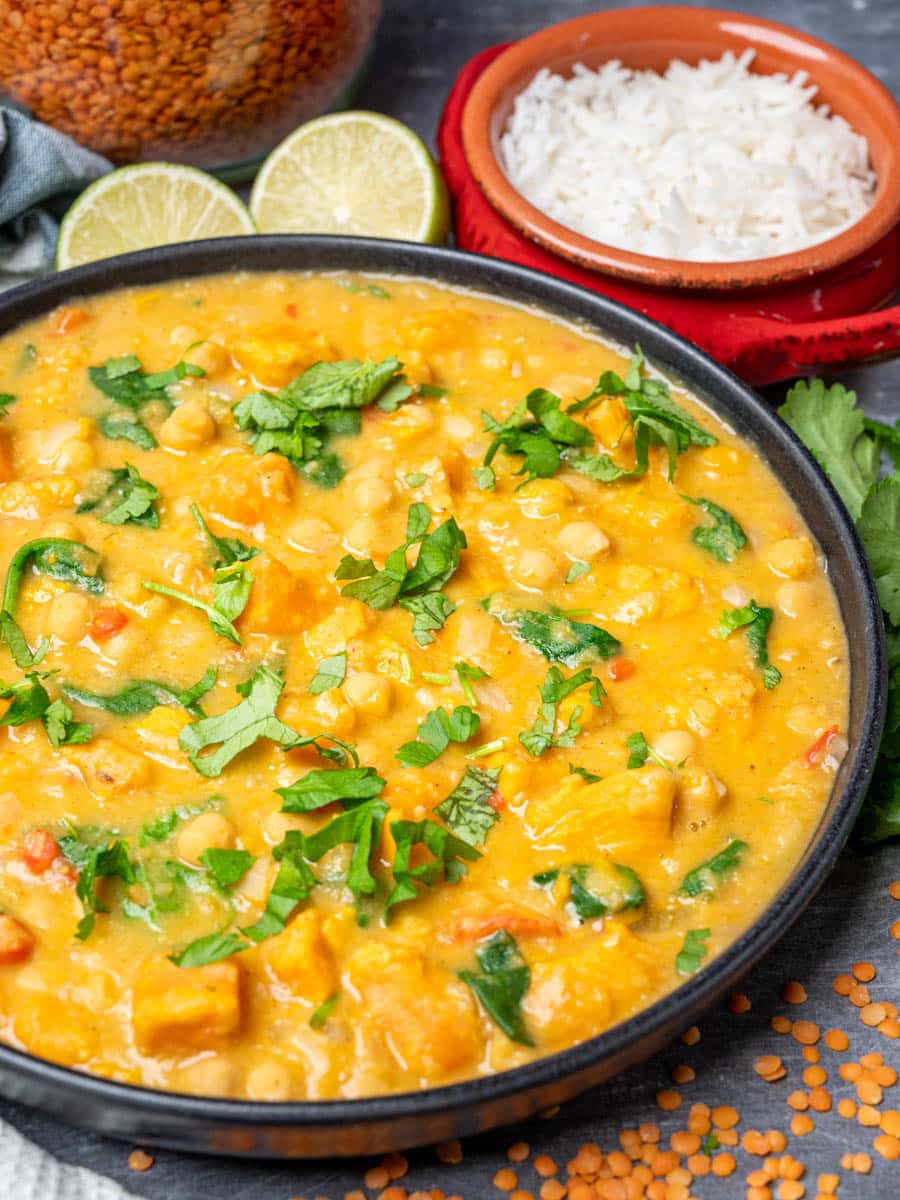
{"points": [[278, 824], [314, 535], [189, 426], [334, 713], [362, 536], [796, 599], [210, 1077], [792, 558], [369, 693], [60, 529], [372, 494], [268, 1080], [208, 830], [459, 428], [583, 540], [806, 719], [68, 616], [532, 568], [494, 358], [73, 456], [675, 745], [16, 942], [543, 497]]}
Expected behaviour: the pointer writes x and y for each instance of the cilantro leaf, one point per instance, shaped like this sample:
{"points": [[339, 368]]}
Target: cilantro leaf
{"points": [[29, 697], [880, 816], [210, 949], [542, 735], [467, 674], [691, 955], [126, 498], [325, 400], [577, 569], [467, 811], [724, 539], [828, 422], [756, 621], [359, 826], [61, 729], [161, 828], [552, 633], [879, 528], [537, 429], [126, 429], [227, 867], [292, 885], [124, 381], [449, 857], [501, 984], [587, 776], [229, 550], [233, 589], [596, 891], [705, 877], [323, 1012], [329, 674], [435, 734], [240, 727], [639, 750], [142, 695]]}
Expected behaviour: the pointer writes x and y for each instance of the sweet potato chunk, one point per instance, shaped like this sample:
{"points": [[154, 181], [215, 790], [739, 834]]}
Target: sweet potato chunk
{"points": [[278, 601], [301, 957], [274, 355], [185, 1007], [627, 815], [243, 488], [425, 1015], [110, 769]]}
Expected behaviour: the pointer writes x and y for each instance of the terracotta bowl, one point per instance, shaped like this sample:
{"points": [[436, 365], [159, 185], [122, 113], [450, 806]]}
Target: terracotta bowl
{"points": [[649, 38]]}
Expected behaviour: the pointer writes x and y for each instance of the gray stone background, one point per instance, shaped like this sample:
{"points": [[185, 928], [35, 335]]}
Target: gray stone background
{"points": [[422, 45]]}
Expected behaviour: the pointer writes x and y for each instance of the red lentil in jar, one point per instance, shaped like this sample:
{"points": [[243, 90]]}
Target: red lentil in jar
{"points": [[207, 82]]}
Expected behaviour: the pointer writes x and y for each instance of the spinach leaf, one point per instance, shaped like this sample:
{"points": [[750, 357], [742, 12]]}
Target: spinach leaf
{"points": [[552, 633], [416, 588], [542, 735], [210, 949], [467, 811], [124, 381], [292, 885], [705, 878], [435, 734], [587, 776], [227, 867], [162, 827], [229, 550], [299, 420], [126, 498], [596, 891], [240, 727], [449, 857], [324, 1011], [691, 955], [126, 429], [501, 984], [330, 673], [724, 539], [317, 789], [108, 860], [756, 621], [142, 695]]}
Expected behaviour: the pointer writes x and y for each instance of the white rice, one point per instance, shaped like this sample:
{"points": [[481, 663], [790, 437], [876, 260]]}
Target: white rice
{"points": [[708, 163]]}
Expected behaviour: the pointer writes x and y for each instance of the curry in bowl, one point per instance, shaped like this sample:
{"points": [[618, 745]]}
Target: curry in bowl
{"points": [[399, 686]]}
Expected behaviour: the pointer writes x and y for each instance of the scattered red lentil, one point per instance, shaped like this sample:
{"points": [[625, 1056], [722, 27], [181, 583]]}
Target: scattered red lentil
{"points": [[395, 1165], [873, 1014], [505, 1179], [739, 1003], [859, 996], [868, 1116], [552, 1189], [668, 1100], [815, 1076], [140, 1160], [790, 1189], [793, 992], [725, 1117], [781, 1024], [819, 1100], [869, 1091], [895, 930], [847, 1108], [545, 1166], [862, 1164], [769, 1067], [828, 1183], [811, 1054], [723, 1164], [887, 1146], [450, 1152], [754, 1142], [683, 1074], [805, 1032], [799, 1101], [894, 890], [801, 1125], [376, 1177], [518, 1152], [890, 1121], [691, 1036], [836, 1039], [863, 971]]}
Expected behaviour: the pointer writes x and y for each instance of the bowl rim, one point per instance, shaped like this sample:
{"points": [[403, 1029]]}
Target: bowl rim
{"points": [[528, 53], [57, 1085]]}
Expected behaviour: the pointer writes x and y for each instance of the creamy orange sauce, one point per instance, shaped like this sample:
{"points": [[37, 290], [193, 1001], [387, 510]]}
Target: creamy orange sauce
{"points": [[729, 760]]}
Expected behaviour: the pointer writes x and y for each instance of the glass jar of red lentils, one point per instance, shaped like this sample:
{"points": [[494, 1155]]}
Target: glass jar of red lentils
{"points": [[215, 83]]}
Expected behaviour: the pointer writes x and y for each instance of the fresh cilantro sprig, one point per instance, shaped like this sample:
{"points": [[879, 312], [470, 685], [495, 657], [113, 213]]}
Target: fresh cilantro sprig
{"points": [[124, 381], [107, 860], [242, 726], [231, 587], [124, 498], [30, 701], [639, 750], [417, 588], [68, 561], [538, 430], [325, 401], [543, 735], [756, 621], [435, 734]]}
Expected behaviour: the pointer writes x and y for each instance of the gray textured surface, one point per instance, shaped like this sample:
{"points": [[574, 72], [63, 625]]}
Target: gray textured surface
{"points": [[423, 44]]}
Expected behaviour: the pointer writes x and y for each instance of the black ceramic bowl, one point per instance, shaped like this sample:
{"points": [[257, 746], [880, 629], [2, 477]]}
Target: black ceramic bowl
{"points": [[343, 1127]]}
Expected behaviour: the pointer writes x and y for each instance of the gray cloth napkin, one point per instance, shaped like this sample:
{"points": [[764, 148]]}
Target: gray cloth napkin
{"points": [[30, 1173], [41, 172]]}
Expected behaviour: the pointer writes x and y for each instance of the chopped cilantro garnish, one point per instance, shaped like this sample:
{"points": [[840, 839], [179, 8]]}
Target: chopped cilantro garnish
{"points": [[124, 498], [228, 550], [324, 1011], [553, 633], [142, 695], [329, 674], [227, 867], [467, 811], [639, 750], [110, 859], [756, 621], [449, 855], [435, 734], [542, 735], [59, 558], [596, 891], [705, 878], [724, 539], [126, 383], [693, 951]]}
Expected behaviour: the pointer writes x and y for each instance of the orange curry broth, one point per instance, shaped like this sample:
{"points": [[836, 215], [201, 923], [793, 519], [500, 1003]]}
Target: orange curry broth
{"points": [[401, 1017]]}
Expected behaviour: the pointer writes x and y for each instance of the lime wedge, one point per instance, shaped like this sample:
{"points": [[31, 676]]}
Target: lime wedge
{"points": [[352, 173], [150, 204]]}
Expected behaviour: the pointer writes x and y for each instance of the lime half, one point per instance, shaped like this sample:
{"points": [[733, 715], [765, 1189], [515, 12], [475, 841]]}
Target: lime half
{"points": [[150, 204], [352, 173]]}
